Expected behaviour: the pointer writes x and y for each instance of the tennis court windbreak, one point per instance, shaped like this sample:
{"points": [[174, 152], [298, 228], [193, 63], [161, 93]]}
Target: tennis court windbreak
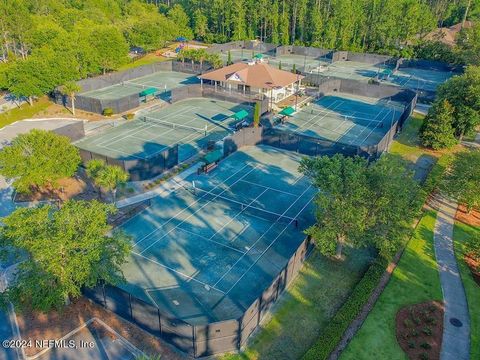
{"points": [[200, 340]]}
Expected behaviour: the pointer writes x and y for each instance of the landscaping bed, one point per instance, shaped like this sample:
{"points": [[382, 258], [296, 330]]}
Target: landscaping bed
{"points": [[419, 330]]}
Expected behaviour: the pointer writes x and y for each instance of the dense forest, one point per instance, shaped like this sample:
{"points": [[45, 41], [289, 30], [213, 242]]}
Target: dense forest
{"points": [[45, 43]]}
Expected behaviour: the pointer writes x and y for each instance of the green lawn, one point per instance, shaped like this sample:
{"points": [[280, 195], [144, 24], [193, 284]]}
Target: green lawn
{"points": [[147, 59], [415, 280], [306, 308], [25, 111], [407, 143], [461, 234]]}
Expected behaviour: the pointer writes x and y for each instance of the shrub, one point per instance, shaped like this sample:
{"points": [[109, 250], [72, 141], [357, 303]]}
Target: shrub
{"points": [[423, 356], [411, 344], [426, 346], [427, 331], [129, 116], [332, 334], [107, 112]]}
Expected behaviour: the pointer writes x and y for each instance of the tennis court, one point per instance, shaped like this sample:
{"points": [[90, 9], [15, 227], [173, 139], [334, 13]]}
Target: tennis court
{"points": [[302, 62], [345, 119], [189, 123], [411, 78], [206, 251], [163, 81], [237, 55], [419, 79]]}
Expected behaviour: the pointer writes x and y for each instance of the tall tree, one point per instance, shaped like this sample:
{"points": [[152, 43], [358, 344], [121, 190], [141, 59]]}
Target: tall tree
{"points": [[71, 89], [110, 46], [341, 202], [108, 177], [66, 248], [37, 159], [437, 130], [462, 180]]}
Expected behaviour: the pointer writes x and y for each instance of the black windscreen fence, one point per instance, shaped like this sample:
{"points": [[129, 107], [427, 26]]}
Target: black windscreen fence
{"points": [[200, 340]]}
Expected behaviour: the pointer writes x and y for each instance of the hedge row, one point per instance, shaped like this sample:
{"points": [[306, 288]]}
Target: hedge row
{"points": [[347, 313], [333, 333]]}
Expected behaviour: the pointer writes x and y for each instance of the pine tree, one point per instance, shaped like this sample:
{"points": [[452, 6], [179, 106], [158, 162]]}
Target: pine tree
{"points": [[437, 131]]}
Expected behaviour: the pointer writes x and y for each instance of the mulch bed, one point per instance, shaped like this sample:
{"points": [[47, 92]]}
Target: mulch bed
{"points": [[473, 265], [473, 218], [54, 325], [419, 330]]}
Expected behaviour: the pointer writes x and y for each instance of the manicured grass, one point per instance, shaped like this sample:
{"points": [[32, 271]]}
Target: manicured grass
{"points": [[461, 234], [147, 59], [25, 111], [415, 280], [407, 143], [314, 297]]}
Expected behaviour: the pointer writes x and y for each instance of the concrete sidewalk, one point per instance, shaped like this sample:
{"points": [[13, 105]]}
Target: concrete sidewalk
{"points": [[171, 184], [456, 322]]}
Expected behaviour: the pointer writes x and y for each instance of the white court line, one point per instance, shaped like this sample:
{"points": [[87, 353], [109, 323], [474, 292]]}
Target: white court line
{"points": [[189, 206], [366, 127], [269, 246], [314, 121], [178, 272], [392, 122], [263, 235], [269, 188], [352, 126], [192, 214], [210, 240], [238, 214], [143, 126]]}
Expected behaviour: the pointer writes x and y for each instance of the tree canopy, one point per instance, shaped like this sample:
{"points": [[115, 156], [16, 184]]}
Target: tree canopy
{"points": [[456, 111], [37, 159], [66, 248], [361, 205], [462, 179]]}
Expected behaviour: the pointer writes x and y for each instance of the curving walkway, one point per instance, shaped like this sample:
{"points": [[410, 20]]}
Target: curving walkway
{"points": [[456, 322]]}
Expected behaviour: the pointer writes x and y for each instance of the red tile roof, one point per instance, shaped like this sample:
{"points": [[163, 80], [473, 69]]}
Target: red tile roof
{"points": [[257, 75]]}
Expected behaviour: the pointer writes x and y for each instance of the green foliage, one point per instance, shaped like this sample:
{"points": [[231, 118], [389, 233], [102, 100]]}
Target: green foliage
{"points": [[107, 112], [360, 205], [395, 200], [110, 47], [256, 115], [462, 180], [37, 159], [435, 50], [341, 210], [181, 20], [67, 249], [108, 177], [333, 332], [468, 44], [229, 58], [437, 130]]}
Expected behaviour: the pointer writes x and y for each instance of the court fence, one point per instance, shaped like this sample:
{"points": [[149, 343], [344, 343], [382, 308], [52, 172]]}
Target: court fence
{"points": [[125, 103], [200, 340], [219, 93], [139, 168], [313, 146]]}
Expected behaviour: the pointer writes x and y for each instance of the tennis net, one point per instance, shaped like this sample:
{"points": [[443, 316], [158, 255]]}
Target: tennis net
{"points": [[247, 209], [174, 125], [355, 119], [129, 83]]}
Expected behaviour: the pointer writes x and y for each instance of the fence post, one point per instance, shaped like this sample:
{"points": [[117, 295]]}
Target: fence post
{"points": [[194, 341], [104, 296], [130, 305], [159, 322]]}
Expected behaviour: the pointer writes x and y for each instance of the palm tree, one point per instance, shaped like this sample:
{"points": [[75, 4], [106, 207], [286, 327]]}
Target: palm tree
{"points": [[70, 89], [110, 177]]}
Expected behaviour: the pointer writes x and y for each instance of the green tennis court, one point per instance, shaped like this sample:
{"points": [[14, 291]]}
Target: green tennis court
{"points": [[302, 63], [205, 252], [411, 78], [189, 123], [163, 81], [349, 120], [237, 55]]}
